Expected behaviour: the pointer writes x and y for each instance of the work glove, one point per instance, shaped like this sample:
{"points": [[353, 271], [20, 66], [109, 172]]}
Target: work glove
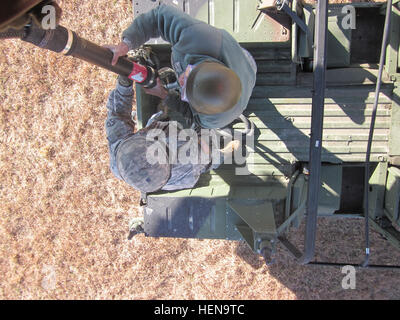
{"points": [[124, 81]]}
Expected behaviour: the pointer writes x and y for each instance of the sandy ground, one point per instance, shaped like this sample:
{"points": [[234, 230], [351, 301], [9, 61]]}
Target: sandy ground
{"points": [[64, 217]]}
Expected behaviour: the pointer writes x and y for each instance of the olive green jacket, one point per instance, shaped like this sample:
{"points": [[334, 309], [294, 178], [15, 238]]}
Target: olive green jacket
{"points": [[193, 41]]}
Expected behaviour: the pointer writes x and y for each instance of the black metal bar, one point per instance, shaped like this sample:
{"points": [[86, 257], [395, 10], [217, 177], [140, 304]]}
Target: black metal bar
{"points": [[317, 117], [60, 39], [100, 56], [358, 266], [290, 247], [371, 130], [295, 18]]}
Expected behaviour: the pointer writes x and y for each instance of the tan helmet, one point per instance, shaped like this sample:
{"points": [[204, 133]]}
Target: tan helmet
{"points": [[213, 88]]}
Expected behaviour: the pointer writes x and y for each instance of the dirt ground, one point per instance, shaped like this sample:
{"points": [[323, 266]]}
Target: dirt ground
{"points": [[64, 217]]}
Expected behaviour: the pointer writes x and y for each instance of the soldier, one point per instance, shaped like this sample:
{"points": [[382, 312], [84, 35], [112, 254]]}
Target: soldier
{"points": [[130, 159], [216, 75]]}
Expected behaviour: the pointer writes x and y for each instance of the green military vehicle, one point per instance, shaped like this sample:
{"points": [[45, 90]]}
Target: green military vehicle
{"points": [[319, 130], [263, 206]]}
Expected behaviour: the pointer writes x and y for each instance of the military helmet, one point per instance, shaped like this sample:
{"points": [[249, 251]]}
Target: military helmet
{"points": [[139, 168], [213, 88]]}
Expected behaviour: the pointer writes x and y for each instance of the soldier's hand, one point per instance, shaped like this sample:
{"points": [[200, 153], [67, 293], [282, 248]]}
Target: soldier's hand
{"points": [[158, 90], [119, 50]]}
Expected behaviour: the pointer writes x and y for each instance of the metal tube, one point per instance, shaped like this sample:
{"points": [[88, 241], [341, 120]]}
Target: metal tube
{"points": [[100, 56], [372, 125], [371, 266], [317, 117], [62, 40]]}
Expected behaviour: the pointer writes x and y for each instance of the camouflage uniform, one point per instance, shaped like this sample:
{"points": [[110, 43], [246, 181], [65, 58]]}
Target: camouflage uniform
{"points": [[120, 127]]}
